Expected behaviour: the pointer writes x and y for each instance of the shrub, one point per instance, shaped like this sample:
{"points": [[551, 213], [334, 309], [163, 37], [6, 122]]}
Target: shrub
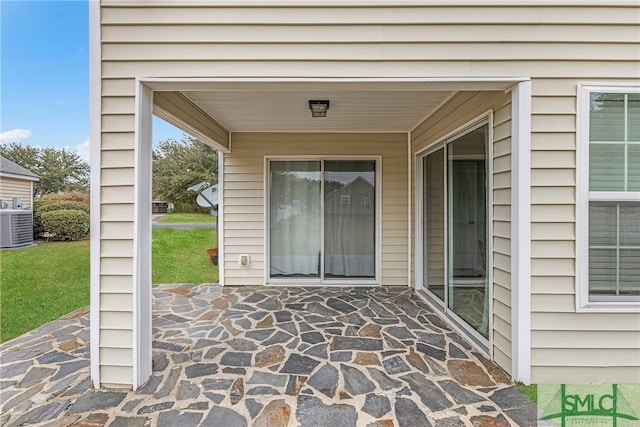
{"points": [[37, 222], [63, 205], [71, 197], [66, 224], [41, 202], [185, 207], [49, 205]]}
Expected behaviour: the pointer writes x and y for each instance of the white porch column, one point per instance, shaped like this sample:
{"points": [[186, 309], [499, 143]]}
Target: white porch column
{"points": [[95, 145], [142, 236], [521, 232]]}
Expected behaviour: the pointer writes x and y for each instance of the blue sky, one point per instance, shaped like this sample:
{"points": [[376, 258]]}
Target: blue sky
{"points": [[44, 75]]}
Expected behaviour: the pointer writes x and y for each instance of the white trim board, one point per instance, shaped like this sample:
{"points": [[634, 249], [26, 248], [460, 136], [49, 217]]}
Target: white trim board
{"points": [[142, 309], [410, 169], [521, 232], [378, 3], [220, 227], [15, 176], [249, 84], [95, 125]]}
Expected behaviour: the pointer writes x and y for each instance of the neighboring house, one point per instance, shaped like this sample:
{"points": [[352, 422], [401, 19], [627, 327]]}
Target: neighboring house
{"points": [[502, 138], [16, 182]]}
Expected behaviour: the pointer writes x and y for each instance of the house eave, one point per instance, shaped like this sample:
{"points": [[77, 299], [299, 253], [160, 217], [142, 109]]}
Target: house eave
{"points": [[178, 110], [16, 176]]}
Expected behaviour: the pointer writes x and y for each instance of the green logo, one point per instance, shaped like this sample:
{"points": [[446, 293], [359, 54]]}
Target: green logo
{"points": [[590, 405]]}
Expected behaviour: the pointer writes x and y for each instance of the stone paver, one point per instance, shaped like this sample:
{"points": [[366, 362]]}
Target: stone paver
{"points": [[271, 356]]}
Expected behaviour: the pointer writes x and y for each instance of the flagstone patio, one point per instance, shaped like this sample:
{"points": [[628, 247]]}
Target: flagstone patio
{"points": [[271, 357]]}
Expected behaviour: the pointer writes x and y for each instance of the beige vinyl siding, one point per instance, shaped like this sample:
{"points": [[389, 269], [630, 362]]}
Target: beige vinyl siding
{"points": [[431, 40], [209, 33], [244, 197], [501, 238], [14, 187], [458, 111], [556, 45], [134, 12], [117, 161], [567, 345]]}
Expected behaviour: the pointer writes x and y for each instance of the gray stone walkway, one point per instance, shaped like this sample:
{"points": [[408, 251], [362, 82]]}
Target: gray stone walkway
{"points": [[269, 357]]}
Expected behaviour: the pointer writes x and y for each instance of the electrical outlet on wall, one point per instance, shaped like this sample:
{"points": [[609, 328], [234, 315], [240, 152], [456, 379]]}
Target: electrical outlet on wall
{"points": [[244, 260]]}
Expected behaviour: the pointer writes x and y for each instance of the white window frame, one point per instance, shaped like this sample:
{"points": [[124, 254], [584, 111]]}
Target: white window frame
{"points": [[377, 280], [584, 196]]}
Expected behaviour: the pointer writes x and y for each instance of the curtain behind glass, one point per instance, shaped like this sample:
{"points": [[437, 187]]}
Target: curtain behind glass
{"points": [[294, 217], [349, 219]]}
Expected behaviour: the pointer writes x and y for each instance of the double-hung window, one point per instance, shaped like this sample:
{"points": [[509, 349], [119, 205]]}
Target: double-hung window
{"points": [[609, 245]]}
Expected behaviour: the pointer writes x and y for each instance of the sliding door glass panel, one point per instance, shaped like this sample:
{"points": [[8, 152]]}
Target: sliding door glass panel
{"points": [[349, 219], [467, 229], [434, 233], [295, 218]]}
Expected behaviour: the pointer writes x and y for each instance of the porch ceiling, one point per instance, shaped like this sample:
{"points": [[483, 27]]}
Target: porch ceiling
{"points": [[281, 104], [288, 110]]}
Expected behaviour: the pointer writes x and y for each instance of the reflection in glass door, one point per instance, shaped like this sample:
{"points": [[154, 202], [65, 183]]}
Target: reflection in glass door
{"points": [[455, 227], [349, 219], [433, 226], [467, 229]]}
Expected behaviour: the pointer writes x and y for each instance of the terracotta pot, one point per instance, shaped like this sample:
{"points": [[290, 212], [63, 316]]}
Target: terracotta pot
{"points": [[213, 255]]}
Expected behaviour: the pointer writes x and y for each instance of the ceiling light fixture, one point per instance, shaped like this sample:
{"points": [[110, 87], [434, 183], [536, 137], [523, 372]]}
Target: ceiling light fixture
{"points": [[318, 107]]}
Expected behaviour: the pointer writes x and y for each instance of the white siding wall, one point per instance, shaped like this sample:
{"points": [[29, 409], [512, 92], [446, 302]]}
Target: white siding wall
{"points": [[244, 196], [459, 110], [556, 45], [14, 187]]}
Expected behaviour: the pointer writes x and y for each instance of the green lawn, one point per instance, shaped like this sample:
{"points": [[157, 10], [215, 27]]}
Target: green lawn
{"points": [[40, 284], [180, 256], [531, 391], [187, 217]]}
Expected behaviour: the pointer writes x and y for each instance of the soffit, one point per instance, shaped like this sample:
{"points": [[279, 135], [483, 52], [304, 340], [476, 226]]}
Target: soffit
{"points": [[288, 110]]}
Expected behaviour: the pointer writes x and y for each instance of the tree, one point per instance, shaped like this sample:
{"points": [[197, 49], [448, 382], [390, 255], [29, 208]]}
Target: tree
{"points": [[62, 171], [59, 170], [28, 157], [177, 165]]}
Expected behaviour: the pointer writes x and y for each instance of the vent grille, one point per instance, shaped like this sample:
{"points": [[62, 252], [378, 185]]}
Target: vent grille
{"points": [[16, 228]]}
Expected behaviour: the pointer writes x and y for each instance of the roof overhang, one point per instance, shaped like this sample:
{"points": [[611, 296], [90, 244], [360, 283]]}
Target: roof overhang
{"points": [[16, 176], [213, 109]]}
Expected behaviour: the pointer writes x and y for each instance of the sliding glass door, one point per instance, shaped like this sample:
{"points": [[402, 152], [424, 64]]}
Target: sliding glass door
{"points": [[455, 227], [467, 229], [349, 219], [434, 223], [322, 217], [295, 216]]}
